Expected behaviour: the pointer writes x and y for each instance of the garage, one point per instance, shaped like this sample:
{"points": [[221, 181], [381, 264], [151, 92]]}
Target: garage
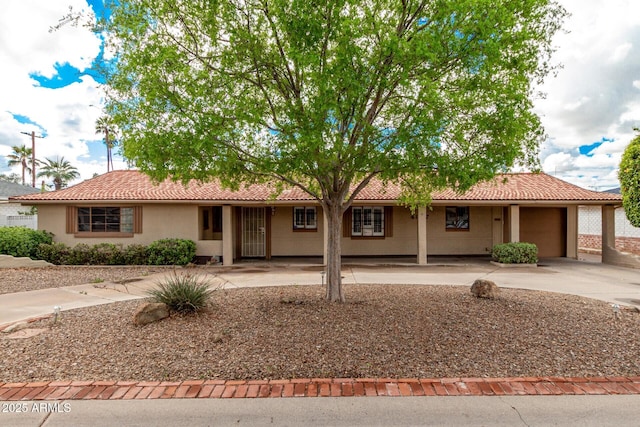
{"points": [[547, 228]]}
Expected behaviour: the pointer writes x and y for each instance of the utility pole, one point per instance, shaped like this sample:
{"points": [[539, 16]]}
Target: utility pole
{"points": [[33, 156]]}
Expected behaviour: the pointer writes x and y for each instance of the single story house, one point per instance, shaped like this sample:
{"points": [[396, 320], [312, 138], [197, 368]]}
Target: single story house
{"points": [[12, 213], [127, 207]]}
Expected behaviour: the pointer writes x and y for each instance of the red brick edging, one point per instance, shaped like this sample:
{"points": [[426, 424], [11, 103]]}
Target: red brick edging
{"points": [[317, 387]]}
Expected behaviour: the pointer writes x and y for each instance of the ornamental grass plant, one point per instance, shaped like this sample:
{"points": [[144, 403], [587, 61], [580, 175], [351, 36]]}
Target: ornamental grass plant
{"points": [[183, 293]]}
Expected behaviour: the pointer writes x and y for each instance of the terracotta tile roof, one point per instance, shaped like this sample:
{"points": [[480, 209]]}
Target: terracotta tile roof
{"points": [[528, 187], [135, 186]]}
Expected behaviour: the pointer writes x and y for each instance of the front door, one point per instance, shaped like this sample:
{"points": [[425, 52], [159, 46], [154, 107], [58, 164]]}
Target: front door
{"points": [[253, 233]]}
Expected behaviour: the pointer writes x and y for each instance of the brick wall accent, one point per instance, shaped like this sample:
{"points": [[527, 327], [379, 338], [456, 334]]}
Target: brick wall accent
{"points": [[593, 243]]}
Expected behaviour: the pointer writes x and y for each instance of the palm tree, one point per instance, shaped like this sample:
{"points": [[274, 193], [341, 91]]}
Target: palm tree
{"points": [[21, 156], [60, 170], [105, 125]]}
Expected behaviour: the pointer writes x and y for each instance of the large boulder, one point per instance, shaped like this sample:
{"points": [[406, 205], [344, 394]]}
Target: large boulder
{"points": [[484, 289], [150, 312]]}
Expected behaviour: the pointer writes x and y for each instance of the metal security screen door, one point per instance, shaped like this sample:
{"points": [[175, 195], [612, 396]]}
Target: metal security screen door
{"points": [[253, 232]]}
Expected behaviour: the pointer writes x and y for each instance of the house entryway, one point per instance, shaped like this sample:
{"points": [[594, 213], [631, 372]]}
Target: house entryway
{"points": [[253, 233]]}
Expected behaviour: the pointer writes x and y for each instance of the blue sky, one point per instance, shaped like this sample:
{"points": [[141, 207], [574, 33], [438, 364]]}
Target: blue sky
{"points": [[48, 86]]}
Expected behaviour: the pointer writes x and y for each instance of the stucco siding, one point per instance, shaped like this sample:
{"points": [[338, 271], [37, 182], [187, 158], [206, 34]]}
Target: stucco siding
{"points": [[403, 242], [159, 222], [286, 242], [478, 240], [52, 219]]}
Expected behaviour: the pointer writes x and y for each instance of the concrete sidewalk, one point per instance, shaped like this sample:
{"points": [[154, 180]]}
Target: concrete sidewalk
{"points": [[327, 411], [616, 285]]}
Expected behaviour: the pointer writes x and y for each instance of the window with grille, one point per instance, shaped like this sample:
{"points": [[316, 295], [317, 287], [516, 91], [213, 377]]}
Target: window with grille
{"points": [[104, 219], [305, 218], [367, 221]]}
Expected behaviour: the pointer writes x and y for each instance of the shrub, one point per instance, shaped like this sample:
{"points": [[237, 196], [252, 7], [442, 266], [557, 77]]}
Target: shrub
{"points": [[182, 293], [106, 254], [160, 252], [515, 253], [171, 252], [55, 253], [135, 255], [80, 254], [22, 241]]}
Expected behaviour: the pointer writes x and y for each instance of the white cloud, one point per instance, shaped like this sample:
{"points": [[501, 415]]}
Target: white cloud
{"points": [[621, 52], [593, 96], [27, 47]]}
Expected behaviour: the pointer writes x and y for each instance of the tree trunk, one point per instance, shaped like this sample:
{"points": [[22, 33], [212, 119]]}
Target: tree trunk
{"points": [[334, 214]]}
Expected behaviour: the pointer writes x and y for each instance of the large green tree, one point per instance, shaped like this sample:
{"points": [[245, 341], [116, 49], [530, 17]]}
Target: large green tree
{"points": [[328, 95], [61, 171], [629, 175]]}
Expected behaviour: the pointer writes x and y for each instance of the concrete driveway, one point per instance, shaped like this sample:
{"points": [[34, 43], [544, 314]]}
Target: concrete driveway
{"points": [[616, 285]]}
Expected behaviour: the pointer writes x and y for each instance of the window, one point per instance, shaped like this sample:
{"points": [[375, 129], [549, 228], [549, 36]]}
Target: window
{"points": [[104, 219], [457, 218], [367, 221], [211, 223], [305, 218]]}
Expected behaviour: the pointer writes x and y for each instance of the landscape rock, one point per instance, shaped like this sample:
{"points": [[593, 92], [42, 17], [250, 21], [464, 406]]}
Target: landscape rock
{"points": [[484, 289], [150, 312]]}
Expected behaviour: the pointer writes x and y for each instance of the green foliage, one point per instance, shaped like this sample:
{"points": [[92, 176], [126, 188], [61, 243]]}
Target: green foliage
{"points": [[80, 254], [515, 253], [160, 252], [171, 252], [106, 254], [55, 253], [324, 92], [135, 255], [22, 241], [182, 293], [59, 170], [327, 95], [629, 175], [22, 156], [12, 177]]}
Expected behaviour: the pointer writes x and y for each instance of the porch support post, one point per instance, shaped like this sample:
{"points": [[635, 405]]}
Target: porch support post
{"points": [[497, 229], [227, 235], [610, 255], [608, 234], [514, 223], [422, 235], [325, 236], [572, 232]]}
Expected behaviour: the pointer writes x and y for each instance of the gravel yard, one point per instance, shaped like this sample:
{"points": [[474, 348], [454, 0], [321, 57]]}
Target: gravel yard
{"points": [[394, 331], [31, 279]]}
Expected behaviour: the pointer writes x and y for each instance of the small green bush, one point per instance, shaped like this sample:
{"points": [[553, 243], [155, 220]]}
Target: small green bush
{"points": [[515, 253], [106, 254], [80, 254], [182, 293], [55, 253], [171, 252], [22, 241], [135, 255]]}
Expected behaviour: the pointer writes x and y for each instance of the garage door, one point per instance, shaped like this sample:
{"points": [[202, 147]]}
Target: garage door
{"points": [[547, 228]]}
